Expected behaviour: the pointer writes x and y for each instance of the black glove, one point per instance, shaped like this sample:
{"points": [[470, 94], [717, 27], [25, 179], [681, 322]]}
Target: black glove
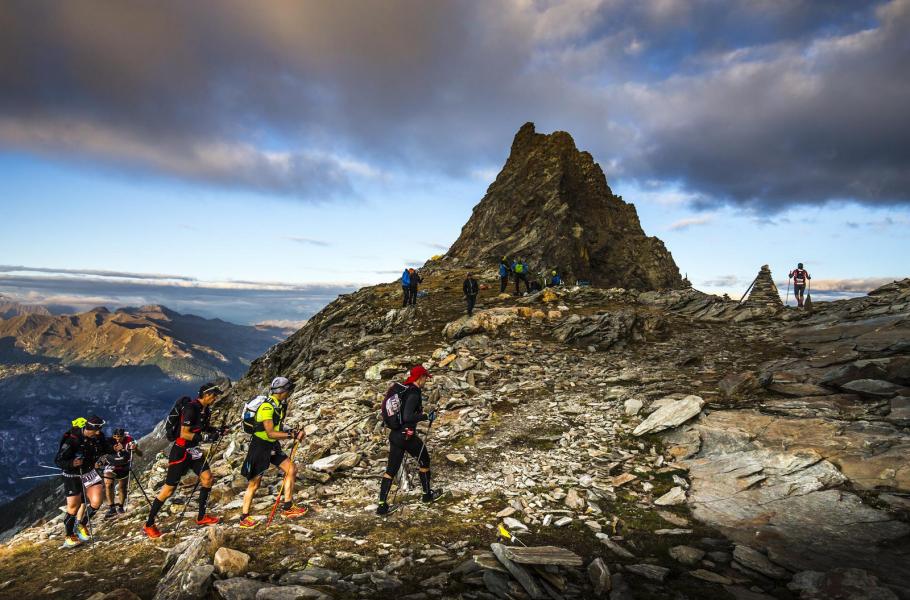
{"points": [[408, 433], [292, 433], [211, 436], [432, 416]]}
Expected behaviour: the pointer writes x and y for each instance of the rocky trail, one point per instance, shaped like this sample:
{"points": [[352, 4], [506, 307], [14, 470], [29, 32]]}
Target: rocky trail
{"points": [[660, 445]]}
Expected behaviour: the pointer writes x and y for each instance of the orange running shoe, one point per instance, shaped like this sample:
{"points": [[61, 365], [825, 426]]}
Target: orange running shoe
{"points": [[151, 531], [294, 512], [248, 523], [208, 520]]}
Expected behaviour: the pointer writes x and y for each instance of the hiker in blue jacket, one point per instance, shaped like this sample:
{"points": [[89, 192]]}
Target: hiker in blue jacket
{"points": [[406, 287], [504, 271]]}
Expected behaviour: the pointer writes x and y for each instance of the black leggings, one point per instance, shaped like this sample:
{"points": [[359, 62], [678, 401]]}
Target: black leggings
{"points": [[398, 445]]}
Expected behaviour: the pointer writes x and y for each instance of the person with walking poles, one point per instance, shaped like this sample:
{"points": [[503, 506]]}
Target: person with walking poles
{"points": [[81, 449], [414, 280], [264, 417], [117, 470], [406, 287], [402, 410], [799, 276], [188, 426], [470, 289], [504, 271]]}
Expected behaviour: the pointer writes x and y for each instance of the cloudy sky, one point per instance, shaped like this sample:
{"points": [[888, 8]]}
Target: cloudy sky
{"points": [[177, 152]]}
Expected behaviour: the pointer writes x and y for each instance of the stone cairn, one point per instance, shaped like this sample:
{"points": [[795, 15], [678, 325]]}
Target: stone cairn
{"points": [[764, 292]]}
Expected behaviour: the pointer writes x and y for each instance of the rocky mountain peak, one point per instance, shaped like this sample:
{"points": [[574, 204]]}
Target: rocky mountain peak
{"points": [[551, 205]]}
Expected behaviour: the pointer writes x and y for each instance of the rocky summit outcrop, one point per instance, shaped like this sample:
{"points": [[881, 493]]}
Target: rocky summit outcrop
{"points": [[551, 205]]}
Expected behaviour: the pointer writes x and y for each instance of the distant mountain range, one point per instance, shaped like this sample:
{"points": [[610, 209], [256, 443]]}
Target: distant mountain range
{"points": [[126, 365]]}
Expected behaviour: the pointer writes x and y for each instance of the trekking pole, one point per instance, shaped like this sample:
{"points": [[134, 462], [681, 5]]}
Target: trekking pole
{"points": [[139, 485], [205, 462], [748, 289], [88, 518], [787, 301], [283, 483], [41, 476]]}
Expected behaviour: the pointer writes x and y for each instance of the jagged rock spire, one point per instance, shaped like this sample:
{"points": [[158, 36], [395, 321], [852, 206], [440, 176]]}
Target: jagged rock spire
{"points": [[764, 291], [551, 205]]}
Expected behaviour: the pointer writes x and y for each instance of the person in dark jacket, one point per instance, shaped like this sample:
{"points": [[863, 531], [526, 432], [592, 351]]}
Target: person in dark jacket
{"points": [[185, 455], [504, 271], [413, 281], [406, 287], [799, 276], [79, 455], [117, 472], [471, 289], [520, 268], [405, 439]]}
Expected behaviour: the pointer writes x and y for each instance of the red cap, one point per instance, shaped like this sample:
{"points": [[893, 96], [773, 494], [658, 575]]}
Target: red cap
{"points": [[416, 373]]}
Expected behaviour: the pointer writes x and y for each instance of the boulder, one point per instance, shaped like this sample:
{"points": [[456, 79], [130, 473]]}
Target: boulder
{"points": [[231, 563], [632, 406], [239, 588], [180, 576], [687, 555], [652, 572], [671, 415]]}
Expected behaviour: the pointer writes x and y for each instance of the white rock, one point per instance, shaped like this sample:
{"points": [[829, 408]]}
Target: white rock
{"points": [[632, 406], [675, 496], [336, 462], [671, 415]]}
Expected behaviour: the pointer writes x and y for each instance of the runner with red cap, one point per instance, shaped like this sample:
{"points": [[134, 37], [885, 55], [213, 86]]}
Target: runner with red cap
{"points": [[402, 410]]}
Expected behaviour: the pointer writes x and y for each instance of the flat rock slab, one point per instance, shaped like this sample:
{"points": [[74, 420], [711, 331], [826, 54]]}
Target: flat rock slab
{"points": [[336, 462], [671, 415], [239, 588], [652, 572], [875, 388], [543, 555], [291, 592], [528, 581], [779, 501]]}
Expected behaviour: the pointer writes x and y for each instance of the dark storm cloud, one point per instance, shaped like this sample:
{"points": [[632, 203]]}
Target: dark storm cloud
{"points": [[751, 103]]}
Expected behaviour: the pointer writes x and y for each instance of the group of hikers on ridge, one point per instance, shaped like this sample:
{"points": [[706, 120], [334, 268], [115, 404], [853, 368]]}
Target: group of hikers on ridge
{"points": [[516, 270], [84, 450]]}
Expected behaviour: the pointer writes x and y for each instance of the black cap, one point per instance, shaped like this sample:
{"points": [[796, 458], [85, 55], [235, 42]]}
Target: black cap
{"points": [[210, 388], [799, 266], [120, 432], [94, 422]]}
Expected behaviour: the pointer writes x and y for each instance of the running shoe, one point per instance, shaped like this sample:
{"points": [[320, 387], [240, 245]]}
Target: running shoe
{"points": [[82, 532], [71, 542], [151, 531], [248, 523], [208, 520], [294, 512]]}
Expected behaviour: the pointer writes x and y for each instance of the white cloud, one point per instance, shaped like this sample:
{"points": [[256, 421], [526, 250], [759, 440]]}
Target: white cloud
{"points": [[686, 223]]}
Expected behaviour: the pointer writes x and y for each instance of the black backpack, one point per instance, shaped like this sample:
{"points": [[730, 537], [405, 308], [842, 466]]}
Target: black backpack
{"points": [[172, 424]]}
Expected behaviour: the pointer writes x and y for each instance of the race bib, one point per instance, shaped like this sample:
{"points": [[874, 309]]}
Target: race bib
{"points": [[91, 478], [194, 453]]}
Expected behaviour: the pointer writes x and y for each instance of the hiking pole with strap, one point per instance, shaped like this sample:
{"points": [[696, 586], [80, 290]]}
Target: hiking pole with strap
{"points": [[787, 301], [205, 461], [88, 518], [138, 484], [283, 483]]}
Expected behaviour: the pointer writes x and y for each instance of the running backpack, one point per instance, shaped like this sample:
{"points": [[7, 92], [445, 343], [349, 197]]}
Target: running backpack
{"points": [[172, 424], [249, 413], [519, 268], [391, 406]]}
